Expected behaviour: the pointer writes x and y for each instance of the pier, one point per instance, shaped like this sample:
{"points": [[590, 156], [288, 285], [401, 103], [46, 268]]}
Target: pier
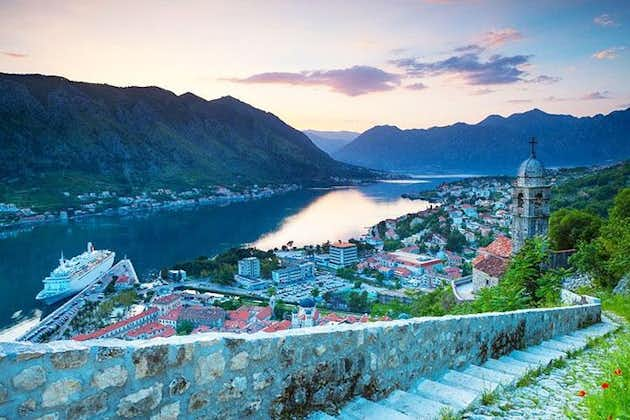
{"points": [[57, 321]]}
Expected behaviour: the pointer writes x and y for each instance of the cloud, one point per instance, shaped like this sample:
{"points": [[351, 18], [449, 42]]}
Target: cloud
{"points": [[13, 54], [470, 48], [520, 101], [609, 53], [501, 36], [353, 81], [544, 79], [495, 70], [555, 99], [605, 20], [596, 95], [482, 92], [397, 51], [416, 86]]}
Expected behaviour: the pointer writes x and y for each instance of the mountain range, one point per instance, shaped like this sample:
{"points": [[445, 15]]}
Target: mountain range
{"points": [[495, 145], [53, 129], [330, 141]]}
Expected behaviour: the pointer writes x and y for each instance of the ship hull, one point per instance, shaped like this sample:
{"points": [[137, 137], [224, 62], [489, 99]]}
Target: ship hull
{"points": [[80, 283]]}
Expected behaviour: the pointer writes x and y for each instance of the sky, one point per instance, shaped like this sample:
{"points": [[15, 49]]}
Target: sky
{"points": [[333, 65]]}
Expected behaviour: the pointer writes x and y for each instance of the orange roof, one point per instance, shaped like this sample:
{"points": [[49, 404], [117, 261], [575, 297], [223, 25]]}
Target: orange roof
{"points": [[501, 247], [173, 315], [264, 313], [239, 314], [152, 328], [278, 326], [493, 266]]}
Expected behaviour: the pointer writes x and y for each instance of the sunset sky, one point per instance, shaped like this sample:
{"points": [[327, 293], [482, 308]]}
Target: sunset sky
{"points": [[336, 65]]}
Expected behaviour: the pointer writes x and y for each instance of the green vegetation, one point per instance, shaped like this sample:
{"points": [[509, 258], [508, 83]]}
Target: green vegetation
{"points": [[221, 268], [568, 227], [392, 244], [606, 256], [184, 327], [488, 397], [593, 192], [455, 241], [358, 301], [125, 298]]}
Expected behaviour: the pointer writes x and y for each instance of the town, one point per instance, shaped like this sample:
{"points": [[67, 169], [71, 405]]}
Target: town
{"points": [[71, 206], [338, 282]]}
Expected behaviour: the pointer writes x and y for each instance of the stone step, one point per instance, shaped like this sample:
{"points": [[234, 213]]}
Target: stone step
{"points": [[460, 379], [414, 405], [557, 345], [505, 379], [538, 359], [579, 342], [513, 369], [546, 351], [523, 363], [319, 415], [363, 409], [457, 397]]}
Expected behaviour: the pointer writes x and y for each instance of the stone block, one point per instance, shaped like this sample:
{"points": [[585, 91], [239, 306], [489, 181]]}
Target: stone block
{"points": [[111, 376], [69, 359], [141, 402], [150, 361], [59, 392], [209, 368], [30, 378]]}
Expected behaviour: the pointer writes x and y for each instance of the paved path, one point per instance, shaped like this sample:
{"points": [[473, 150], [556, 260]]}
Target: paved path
{"points": [[552, 395], [456, 391]]}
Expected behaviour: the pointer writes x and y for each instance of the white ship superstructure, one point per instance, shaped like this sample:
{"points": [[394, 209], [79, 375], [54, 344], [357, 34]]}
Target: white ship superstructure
{"points": [[73, 275]]}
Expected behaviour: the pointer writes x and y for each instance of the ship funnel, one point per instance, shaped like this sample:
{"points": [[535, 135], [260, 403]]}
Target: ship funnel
{"points": [[61, 259], [90, 247]]}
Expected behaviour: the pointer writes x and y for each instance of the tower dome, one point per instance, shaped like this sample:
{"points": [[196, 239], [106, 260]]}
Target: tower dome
{"points": [[531, 172]]}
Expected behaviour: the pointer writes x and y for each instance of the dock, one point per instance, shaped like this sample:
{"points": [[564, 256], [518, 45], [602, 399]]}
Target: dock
{"points": [[53, 325]]}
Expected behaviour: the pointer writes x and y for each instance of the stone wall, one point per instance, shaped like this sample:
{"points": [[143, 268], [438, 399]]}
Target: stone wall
{"points": [[278, 375]]}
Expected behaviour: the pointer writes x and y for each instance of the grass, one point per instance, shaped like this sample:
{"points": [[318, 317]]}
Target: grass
{"points": [[611, 400], [488, 397], [449, 414]]}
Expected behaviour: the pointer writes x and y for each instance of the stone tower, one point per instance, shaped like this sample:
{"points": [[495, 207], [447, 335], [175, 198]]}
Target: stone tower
{"points": [[530, 201]]}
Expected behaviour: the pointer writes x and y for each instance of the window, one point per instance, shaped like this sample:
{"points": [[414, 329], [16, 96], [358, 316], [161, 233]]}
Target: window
{"points": [[519, 203]]}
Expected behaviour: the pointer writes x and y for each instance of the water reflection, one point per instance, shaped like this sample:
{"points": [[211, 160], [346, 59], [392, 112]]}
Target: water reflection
{"points": [[340, 214]]}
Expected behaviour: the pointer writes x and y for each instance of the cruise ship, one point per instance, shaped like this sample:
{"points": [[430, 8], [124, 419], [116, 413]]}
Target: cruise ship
{"points": [[73, 275]]}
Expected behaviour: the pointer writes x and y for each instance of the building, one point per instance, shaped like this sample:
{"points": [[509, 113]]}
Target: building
{"points": [[201, 315], [307, 314], [293, 273], [177, 275], [530, 201], [343, 254], [249, 267], [491, 263]]}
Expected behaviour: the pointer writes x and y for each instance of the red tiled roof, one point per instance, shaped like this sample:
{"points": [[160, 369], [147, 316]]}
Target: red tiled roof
{"points": [[123, 279], [239, 314], [166, 299], [493, 266], [115, 326], [501, 246], [173, 315], [278, 326], [264, 313], [152, 328]]}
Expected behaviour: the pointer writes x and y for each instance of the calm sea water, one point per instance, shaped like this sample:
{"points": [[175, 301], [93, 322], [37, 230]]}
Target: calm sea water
{"points": [[161, 239]]}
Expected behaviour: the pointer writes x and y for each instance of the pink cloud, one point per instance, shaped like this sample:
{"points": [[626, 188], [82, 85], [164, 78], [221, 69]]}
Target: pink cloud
{"points": [[596, 95], [13, 54], [501, 36], [353, 81], [609, 53]]}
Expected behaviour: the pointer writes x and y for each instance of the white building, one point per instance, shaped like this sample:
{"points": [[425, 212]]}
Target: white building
{"points": [[249, 267], [343, 254], [293, 273]]}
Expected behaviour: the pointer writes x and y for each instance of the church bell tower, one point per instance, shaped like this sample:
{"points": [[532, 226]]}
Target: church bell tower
{"points": [[530, 201]]}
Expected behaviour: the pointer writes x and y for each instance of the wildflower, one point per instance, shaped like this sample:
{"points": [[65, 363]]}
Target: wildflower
{"points": [[617, 372], [605, 385], [581, 393]]}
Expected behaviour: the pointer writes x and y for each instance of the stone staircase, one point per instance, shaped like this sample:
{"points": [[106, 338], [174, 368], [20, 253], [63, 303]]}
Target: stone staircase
{"points": [[456, 390]]}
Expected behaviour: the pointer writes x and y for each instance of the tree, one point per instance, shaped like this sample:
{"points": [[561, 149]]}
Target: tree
{"points": [[271, 291], [315, 292], [184, 327], [568, 227], [164, 273], [358, 302], [606, 257], [224, 274], [455, 241], [357, 284], [392, 245]]}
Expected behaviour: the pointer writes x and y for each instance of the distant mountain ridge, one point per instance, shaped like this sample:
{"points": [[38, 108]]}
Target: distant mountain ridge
{"points": [[148, 136], [495, 145], [330, 141]]}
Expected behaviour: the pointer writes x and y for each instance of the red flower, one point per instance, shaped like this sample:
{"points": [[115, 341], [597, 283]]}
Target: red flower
{"points": [[605, 385], [617, 372], [581, 393]]}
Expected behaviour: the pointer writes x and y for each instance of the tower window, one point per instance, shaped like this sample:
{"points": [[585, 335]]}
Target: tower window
{"points": [[519, 201]]}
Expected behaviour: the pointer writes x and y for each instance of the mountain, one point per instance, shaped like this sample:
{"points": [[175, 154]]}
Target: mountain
{"points": [[55, 133], [330, 141], [495, 145]]}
